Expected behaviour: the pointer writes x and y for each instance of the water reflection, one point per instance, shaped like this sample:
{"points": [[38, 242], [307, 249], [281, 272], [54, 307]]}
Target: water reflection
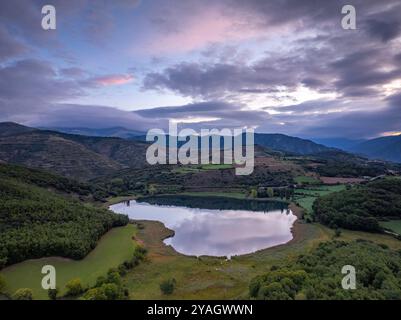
{"points": [[216, 232]]}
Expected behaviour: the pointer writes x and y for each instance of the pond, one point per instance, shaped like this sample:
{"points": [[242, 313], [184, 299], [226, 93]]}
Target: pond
{"points": [[215, 226]]}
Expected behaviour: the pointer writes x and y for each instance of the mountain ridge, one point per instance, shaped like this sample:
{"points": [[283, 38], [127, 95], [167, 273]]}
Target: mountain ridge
{"points": [[73, 156]]}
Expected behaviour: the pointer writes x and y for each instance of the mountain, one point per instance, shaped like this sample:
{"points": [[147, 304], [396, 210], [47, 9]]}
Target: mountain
{"points": [[118, 132], [339, 143], [11, 128], [69, 155], [384, 148], [274, 142], [284, 143]]}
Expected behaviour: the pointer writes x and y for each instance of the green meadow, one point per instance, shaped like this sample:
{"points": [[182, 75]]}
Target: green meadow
{"points": [[393, 225], [305, 197], [113, 248]]}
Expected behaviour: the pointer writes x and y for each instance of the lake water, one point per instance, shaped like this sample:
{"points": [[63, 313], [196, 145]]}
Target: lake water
{"points": [[215, 226]]}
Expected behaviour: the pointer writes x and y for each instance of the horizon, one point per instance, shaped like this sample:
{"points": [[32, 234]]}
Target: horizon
{"points": [[140, 133], [138, 65]]}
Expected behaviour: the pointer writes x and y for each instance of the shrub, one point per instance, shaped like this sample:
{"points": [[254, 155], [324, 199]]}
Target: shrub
{"points": [[23, 294], [94, 294], [113, 277], [100, 281], [111, 291], [167, 286], [52, 294], [74, 287]]}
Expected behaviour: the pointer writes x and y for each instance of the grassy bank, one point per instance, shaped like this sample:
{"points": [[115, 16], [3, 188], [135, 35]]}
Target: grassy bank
{"points": [[216, 278], [113, 248]]}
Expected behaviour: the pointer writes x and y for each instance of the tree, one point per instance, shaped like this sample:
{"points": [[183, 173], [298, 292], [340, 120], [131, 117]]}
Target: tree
{"points": [[111, 291], [23, 294], [270, 192], [254, 193], [167, 286], [52, 294], [74, 287], [152, 189], [3, 262], [113, 277], [94, 294]]}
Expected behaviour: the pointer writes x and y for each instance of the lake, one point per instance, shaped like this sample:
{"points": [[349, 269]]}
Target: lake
{"points": [[215, 226]]}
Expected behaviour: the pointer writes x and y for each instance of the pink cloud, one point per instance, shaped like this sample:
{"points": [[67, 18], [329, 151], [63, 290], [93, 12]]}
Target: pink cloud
{"points": [[209, 25], [114, 80]]}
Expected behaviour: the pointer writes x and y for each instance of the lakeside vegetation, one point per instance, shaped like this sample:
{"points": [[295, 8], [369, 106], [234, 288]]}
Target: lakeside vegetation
{"points": [[317, 275], [35, 222], [218, 278], [361, 207]]}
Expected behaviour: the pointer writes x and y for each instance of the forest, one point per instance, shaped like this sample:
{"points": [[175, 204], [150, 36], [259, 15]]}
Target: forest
{"points": [[361, 207], [317, 275], [37, 222]]}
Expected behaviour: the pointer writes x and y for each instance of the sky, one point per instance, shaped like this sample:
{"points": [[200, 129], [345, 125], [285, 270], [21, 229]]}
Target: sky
{"points": [[279, 66]]}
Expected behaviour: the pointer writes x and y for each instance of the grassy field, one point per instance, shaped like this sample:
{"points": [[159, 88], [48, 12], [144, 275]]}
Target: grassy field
{"points": [[306, 180], [113, 248], [199, 168], [306, 197], [394, 225]]}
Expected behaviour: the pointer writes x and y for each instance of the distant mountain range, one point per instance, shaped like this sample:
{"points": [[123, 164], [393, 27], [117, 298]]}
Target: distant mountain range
{"points": [[117, 132], [384, 148], [339, 143], [284, 143], [86, 157], [275, 142]]}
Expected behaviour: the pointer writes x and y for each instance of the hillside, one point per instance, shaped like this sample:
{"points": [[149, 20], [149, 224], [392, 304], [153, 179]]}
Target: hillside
{"points": [[362, 207], [281, 142], [384, 148], [11, 128], [44, 179], [73, 156], [36, 221]]}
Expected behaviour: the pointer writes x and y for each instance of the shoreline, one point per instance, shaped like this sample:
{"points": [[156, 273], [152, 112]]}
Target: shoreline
{"points": [[297, 229]]}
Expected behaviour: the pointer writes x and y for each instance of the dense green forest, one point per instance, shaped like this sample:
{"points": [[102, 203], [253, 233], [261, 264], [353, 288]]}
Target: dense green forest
{"points": [[318, 275], [36, 221], [361, 207], [82, 190], [171, 179], [215, 203], [350, 170]]}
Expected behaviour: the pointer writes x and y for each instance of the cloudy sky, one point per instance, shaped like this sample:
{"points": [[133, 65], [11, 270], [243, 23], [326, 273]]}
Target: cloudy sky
{"points": [[276, 65]]}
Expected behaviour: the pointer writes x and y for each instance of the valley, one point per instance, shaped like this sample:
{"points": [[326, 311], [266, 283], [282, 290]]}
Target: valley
{"points": [[38, 180]]}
